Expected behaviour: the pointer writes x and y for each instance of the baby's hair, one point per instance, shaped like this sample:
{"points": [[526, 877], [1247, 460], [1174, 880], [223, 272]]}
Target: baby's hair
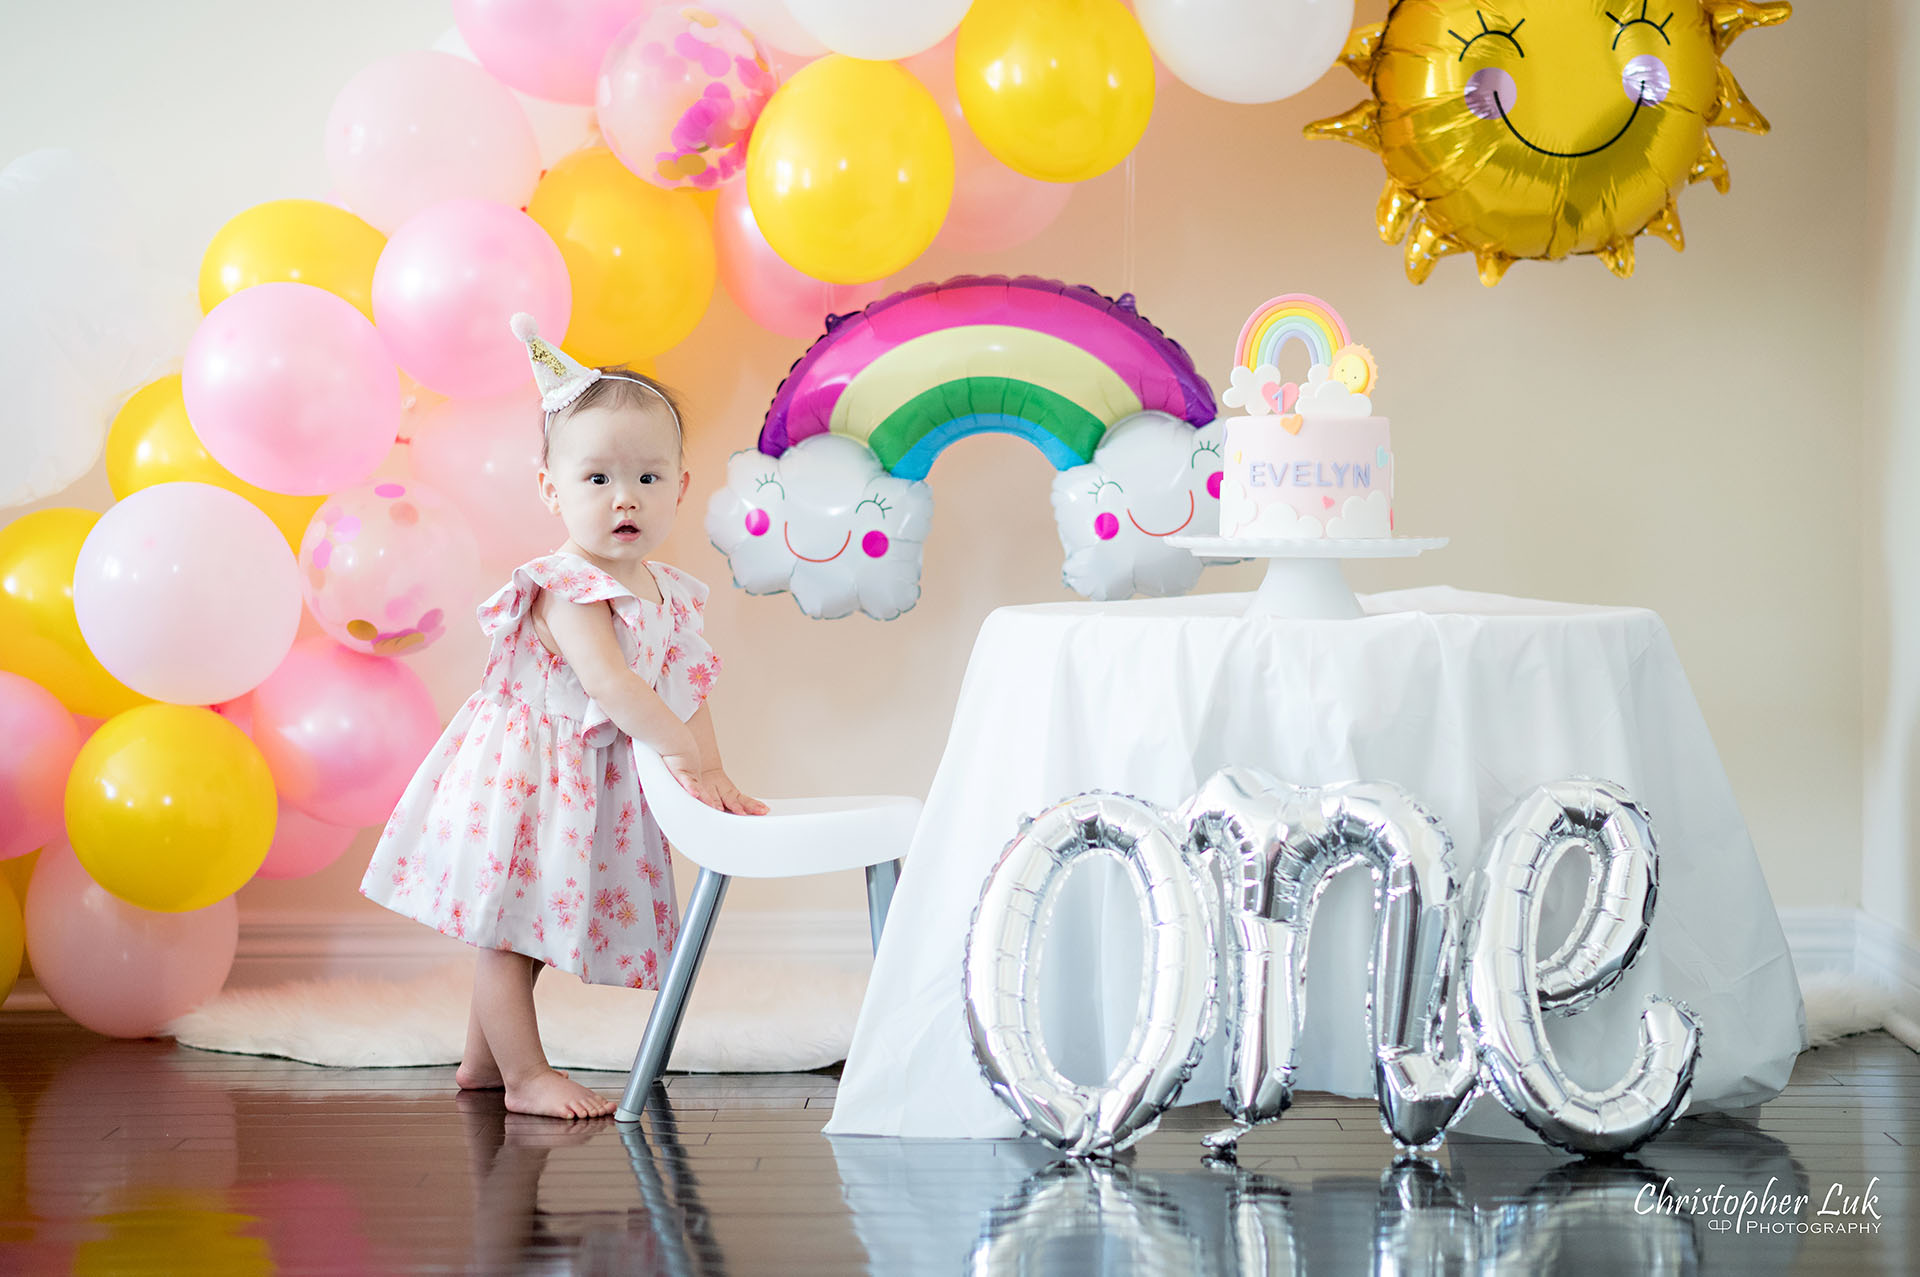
{"points": [[618, 386]]}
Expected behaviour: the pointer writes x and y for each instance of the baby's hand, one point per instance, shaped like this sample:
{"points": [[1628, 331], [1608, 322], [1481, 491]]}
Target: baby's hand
{"points": [[686, 770], [727, 796]]}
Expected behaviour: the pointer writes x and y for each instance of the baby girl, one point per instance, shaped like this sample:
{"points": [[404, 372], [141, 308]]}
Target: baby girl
{"points": [[524, 832]]}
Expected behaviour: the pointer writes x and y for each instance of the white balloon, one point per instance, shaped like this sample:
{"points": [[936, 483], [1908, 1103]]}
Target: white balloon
{"points": [[1246, 50], [772, 25], [187, 593], [1152, 476], [87, 320], [878, 30], [825, 522]]}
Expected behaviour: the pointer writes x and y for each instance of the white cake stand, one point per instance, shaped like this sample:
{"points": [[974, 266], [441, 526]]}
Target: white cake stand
{"points": [[1303, 579]]}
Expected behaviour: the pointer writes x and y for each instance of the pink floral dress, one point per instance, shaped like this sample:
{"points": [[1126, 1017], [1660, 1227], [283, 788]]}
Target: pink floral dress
{"points": [[525, 828]]}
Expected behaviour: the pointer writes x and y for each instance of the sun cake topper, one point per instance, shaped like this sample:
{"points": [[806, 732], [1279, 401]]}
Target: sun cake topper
{"points": [[1542, 128]]}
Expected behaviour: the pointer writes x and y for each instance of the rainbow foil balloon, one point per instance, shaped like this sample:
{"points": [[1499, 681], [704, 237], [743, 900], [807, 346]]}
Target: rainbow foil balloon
{"points": [[833, 504]]}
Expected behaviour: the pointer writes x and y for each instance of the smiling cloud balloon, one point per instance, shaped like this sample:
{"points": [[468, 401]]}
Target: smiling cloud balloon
{"points": [[824, 521], [1152, 476], [1541, 128]]}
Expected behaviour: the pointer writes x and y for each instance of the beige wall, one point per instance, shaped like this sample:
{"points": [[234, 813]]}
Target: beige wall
{"points": [[1689, 441], [1890, 884]]}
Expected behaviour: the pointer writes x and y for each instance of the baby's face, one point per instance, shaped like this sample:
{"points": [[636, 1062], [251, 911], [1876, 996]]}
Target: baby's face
{"points": [[613, 476]]}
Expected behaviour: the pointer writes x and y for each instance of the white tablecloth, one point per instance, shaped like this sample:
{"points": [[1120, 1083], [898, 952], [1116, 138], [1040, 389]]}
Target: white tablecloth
{"points": [[1467, 701]]}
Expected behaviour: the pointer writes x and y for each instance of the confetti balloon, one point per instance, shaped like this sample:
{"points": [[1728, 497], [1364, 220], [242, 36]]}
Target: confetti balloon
{"points": [[1542, 130], [678, 95], [382, 567]]}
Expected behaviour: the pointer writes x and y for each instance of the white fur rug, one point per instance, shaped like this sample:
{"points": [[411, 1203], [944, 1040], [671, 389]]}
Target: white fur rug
{"points": [[1839, 1004], [746, 1016]]}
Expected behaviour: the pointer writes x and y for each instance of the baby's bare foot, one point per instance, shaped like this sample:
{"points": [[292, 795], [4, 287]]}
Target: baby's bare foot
{"points": [[483, 1075], [554, 1094]]}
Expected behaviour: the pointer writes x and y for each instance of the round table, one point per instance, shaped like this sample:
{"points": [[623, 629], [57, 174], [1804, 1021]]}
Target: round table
{"points": [[1467, 701]]}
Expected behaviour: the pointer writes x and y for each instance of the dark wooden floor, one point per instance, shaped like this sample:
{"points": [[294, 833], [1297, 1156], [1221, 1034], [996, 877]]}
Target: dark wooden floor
{"points": [[123, 1157]]}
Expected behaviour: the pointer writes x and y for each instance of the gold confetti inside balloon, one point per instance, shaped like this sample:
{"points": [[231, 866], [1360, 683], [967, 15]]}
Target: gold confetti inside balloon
{"points": [[1539, 128]]}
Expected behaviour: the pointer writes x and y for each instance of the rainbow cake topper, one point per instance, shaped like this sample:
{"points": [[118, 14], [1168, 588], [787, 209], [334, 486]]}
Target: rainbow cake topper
{"points": [[1055, 364], [1256, 384], [1291, 317]]}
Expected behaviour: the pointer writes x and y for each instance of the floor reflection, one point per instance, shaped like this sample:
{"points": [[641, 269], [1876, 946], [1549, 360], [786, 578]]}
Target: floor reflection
{"points": [[130, 1157], [1494, 1207], [668, 1233]]}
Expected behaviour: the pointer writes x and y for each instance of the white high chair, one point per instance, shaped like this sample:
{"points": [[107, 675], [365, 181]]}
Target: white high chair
{"points": [[797, 836]]}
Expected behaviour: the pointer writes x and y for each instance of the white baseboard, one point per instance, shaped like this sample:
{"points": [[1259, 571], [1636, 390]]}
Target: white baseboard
{"points": [[1854, 943], [281, 945]]}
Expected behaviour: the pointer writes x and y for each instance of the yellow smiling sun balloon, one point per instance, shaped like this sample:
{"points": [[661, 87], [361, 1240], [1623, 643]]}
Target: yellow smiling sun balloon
{"points": [[1537, 129]]}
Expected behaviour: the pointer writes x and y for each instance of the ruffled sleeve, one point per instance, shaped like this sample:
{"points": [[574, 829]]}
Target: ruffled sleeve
{"points": [[689, 664], [564, 574]]}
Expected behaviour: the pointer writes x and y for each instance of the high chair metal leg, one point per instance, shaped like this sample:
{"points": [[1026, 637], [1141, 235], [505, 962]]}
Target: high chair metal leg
{"points": [[663, 1026], [881, 880]]}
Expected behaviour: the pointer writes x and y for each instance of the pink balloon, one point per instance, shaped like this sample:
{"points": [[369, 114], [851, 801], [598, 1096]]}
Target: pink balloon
{"points": [[994, 208], [41, 739], [679, 92], [775, 295], [290, 387], [449, 281], [343, 733], [549, 48], [484, 456], [421, 127], [186, 592], [383, 567], [116, 969], [301, 844]]}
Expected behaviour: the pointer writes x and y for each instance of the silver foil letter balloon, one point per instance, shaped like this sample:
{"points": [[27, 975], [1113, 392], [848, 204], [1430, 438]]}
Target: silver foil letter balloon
{"points": [[1274, 848], [1002, 963], [1511, 989]]}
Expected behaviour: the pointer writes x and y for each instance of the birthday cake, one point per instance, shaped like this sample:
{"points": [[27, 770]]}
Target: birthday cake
{"points": [[1307, 459]]}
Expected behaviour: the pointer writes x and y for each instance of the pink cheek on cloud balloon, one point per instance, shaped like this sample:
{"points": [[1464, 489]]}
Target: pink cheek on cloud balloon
{"points": [[1213, 484], [1106, 526], [874, 543], [758, 522]]}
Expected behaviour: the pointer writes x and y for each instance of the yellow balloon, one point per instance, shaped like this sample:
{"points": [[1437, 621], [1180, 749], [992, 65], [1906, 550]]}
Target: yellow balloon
{"points": [[641, 258], [850, 170], [13, 939], [151, 441], [163, 1228], [1060, 90], [39, 637], [1534, 130], [16, 873], [170, 807], [298, 241]]}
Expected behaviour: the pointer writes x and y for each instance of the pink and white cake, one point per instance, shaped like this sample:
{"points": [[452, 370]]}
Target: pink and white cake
{"points": [[1307, 460]]}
